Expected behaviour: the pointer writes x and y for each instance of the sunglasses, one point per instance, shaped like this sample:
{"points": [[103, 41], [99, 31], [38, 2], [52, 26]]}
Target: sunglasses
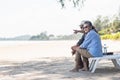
{"points": [[85, 27]]}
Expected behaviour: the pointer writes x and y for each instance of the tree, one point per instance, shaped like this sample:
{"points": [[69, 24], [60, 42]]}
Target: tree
{"points": [[97, 23], [76, 3], [101, 23], [41, 36], [119, 13], [116, 24]]}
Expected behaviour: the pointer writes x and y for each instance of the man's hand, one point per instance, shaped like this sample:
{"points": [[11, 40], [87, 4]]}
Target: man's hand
{"points": [[74, 48], [73, 52], [75, 31]]}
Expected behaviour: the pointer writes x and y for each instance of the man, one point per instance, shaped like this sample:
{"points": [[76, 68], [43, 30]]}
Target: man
{"points": [[80, 63], [91, 47], [81, 39]]}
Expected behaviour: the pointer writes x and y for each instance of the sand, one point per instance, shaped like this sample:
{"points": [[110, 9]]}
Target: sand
{"points": [[50, 61]]}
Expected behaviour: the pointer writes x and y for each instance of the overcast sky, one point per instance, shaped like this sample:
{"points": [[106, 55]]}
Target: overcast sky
{"points": [[20, 17]]}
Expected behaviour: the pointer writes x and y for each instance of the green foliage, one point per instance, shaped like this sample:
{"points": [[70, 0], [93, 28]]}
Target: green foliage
{"points": [[101, 23], [101, 32], [41, 36], [115, 36], [108, 29], [44, 36]]}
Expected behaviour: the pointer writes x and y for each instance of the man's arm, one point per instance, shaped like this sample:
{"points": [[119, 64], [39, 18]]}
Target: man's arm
{"points": [[76, 31], [81, 40], [87, 40]]}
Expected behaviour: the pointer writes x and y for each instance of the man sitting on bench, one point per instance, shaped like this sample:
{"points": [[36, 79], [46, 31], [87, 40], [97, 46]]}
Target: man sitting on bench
{"points": [[91, 47]]}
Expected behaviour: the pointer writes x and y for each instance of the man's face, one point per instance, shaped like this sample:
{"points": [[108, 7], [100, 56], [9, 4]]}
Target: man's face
{"points": [[86, 28]]}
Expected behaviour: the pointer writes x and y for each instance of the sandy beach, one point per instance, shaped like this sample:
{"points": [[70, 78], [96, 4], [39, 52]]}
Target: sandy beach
{"points": [[50, 60]]}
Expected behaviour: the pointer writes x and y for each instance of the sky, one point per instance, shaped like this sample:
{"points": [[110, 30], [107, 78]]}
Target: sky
{"points": [[31, 17]]}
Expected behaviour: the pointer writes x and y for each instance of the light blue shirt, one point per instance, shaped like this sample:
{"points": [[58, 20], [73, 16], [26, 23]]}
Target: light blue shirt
{"points": [[93, 44]]}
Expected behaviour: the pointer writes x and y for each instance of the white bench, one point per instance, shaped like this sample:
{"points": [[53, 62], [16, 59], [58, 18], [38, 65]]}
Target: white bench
{"points": [[94, 61]]}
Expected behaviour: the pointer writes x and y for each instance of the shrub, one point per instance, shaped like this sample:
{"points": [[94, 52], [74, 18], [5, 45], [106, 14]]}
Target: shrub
{"points": [[115, 36]]}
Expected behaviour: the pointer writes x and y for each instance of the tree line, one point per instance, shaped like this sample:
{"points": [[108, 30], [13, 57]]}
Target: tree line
{"points": [[45, 36], [108, 28]]}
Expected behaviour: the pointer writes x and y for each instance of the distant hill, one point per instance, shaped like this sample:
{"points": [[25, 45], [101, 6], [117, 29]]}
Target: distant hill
{"points": [[22, 37]]}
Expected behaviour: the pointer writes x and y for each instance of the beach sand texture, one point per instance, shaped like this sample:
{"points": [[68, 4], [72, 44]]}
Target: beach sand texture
{"points": [[50, 60]]}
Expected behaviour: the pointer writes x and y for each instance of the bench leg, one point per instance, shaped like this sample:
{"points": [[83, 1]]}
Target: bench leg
{"points": [[91, 64], [116, 63], [94, 65]]}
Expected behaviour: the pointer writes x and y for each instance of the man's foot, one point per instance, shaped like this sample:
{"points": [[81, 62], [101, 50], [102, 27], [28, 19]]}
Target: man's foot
{"points": [[84, 69], [74, 70], [80, 67]]}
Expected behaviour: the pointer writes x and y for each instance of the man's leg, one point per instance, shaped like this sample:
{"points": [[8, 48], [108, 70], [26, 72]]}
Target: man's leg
{"points": [[78, 60], [85, 54], [73, 51], [78, 57], [86, 64], [78, 63]]}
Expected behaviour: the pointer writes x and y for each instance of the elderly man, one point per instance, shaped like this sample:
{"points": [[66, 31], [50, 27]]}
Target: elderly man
{"points": [[91, 47]]}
